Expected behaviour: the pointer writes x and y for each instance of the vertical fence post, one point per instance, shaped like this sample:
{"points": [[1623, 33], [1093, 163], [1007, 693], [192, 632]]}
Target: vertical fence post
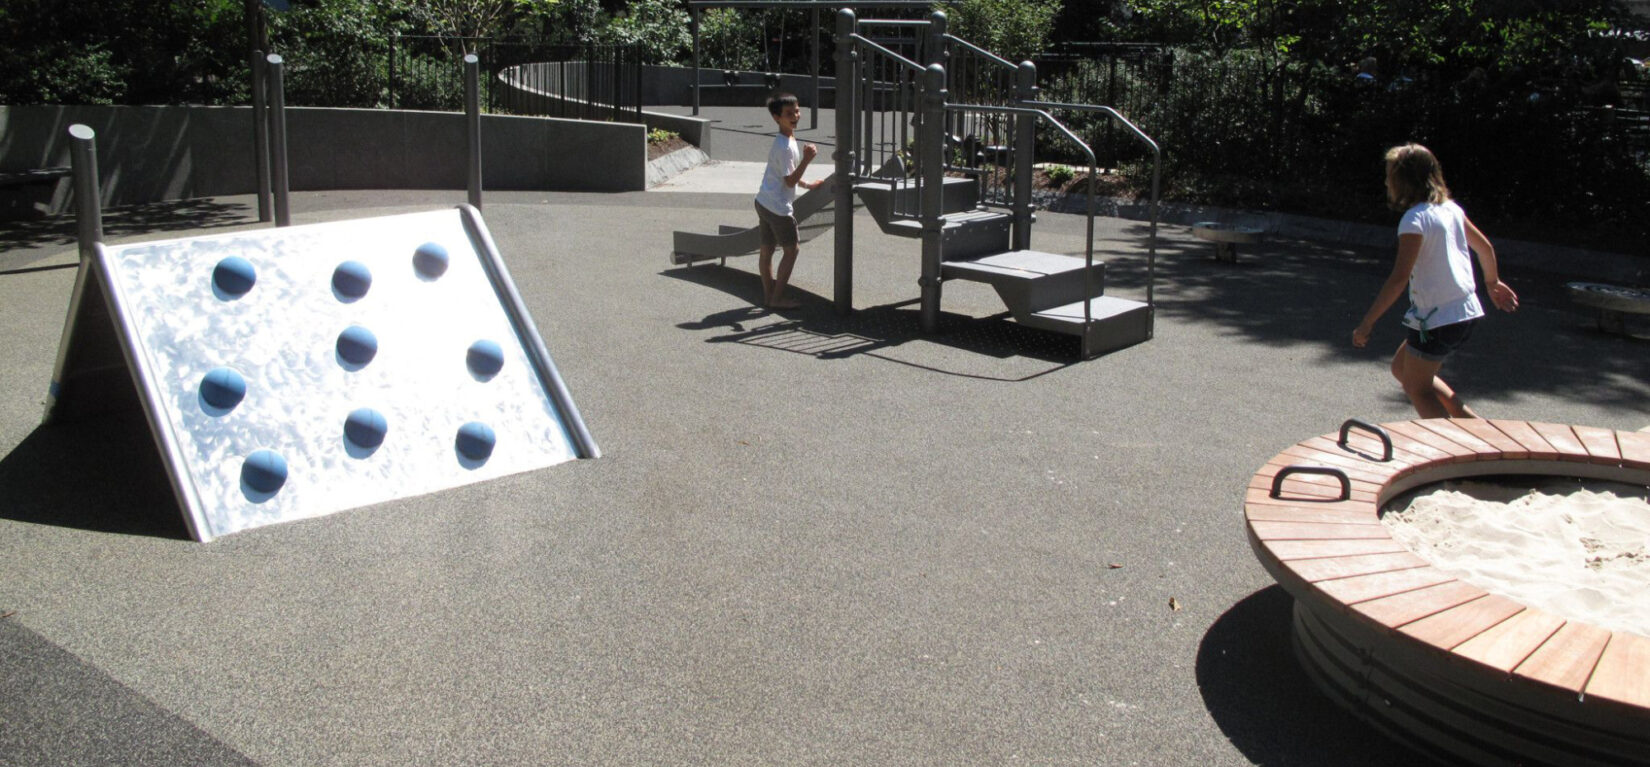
{"points": [[1025, 153], [931, 146], [277, 137], [88, 198], [693, 21], [395, 67], [472, 125], [843, 192], [813, 70], [260, 133]]}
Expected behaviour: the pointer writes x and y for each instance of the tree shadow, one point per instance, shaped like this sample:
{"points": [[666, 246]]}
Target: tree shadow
{"points": [[1290, 292], [1264, 702], [25, 242], [815, 329], [101, 473]]}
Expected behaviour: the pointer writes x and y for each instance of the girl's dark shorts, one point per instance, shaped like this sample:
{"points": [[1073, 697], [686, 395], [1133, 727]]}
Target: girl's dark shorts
{"points": [[1439, 341], [777, 230]]}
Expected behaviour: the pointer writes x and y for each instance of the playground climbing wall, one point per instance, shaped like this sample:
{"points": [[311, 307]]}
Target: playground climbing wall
{"points": [[294, 372]]}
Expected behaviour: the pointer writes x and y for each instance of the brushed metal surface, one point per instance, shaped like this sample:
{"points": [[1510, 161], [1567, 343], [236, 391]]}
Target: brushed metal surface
{"points": [[281, 337]]}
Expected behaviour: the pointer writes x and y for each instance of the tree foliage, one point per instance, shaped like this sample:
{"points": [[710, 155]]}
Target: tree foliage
{"points": [[1013, 29]]}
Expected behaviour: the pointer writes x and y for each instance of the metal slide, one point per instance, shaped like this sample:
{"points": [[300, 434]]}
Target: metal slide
{"points": [[691, 247]]}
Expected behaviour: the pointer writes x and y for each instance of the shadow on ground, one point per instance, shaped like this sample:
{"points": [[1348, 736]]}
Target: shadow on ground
{"points": [[48, 478], [1285, 293], [1265, 704], [59, 709], [22, 242], [817, 330]]}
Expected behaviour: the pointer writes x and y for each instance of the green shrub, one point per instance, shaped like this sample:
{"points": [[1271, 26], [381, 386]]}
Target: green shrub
{"points": [[1060, 175]]}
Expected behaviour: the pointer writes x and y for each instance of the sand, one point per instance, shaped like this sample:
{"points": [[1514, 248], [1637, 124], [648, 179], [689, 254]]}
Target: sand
{"points": [[1579, 550]]}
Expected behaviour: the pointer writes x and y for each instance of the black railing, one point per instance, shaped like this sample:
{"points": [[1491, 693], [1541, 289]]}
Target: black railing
{"points": [[524, 76]]}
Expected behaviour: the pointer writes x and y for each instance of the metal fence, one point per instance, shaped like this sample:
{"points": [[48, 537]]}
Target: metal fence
{"points": [[523, 76], [1269, 132]]}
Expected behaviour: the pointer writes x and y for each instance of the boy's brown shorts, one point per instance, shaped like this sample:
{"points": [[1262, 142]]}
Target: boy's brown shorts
{"points": [[776, 230]]}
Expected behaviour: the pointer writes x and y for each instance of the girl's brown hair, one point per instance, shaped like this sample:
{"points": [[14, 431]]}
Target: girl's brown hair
{"points": [[1414, 176]]}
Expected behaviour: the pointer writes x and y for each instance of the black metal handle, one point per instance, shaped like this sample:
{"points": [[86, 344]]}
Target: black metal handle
{"points": [[1386, 439], [1346, 483]]}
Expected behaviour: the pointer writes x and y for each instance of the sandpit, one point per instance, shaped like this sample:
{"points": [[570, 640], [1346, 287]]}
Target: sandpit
{"points": [[1577, 549], [1454, 657]]}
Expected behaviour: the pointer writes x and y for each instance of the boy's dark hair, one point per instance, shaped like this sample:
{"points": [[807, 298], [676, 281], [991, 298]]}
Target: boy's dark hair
{"points": [[1415, 175], [778, 101]]}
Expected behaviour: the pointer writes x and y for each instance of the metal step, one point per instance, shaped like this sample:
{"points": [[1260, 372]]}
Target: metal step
{"points": [[1030, 281], [891, 200], [1117, 323]]}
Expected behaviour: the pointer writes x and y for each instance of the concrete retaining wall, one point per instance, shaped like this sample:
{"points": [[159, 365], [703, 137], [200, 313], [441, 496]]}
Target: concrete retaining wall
{"points": [[147, 154]]}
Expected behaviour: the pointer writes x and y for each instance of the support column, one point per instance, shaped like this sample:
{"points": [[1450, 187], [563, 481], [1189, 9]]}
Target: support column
{"points": [[693, 23], [846, 144], [1025, 153], [931, 166]]}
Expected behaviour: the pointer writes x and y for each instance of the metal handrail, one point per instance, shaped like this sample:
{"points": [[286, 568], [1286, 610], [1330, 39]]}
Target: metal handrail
{"points": [[1088, 270], [983, 53], [867, 42], [1157, 177]]}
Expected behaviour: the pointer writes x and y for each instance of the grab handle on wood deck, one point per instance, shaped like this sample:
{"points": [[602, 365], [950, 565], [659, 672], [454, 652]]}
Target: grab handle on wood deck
{"points": [[1346, 483], [1386, 440]]}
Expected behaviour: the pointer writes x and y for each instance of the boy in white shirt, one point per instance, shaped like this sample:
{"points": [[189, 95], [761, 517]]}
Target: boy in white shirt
{"points": [[774, 212]]}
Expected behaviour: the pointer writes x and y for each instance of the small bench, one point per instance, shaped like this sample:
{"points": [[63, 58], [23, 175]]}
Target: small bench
{"points": [[1613, 303], [18, 200], [1226, 238], [33, 176]]}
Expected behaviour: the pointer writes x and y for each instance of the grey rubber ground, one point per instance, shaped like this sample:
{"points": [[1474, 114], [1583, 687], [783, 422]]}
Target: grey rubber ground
{"points": [[812, 539]]}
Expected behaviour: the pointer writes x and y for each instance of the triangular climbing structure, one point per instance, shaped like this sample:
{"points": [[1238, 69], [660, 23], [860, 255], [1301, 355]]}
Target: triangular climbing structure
{"points": [[294, 372]]}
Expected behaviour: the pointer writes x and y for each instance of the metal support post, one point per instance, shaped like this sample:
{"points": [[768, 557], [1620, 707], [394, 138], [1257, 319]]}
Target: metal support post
{"points": [[813, 58], [843, 192], [260, 133], [472, 125], [931, 148], [257, 35], [1025, 153], [693, 22], [88, 199], [277, 137]]}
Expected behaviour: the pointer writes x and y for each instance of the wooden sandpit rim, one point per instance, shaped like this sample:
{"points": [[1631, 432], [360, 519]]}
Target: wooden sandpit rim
{"points": [[1336, 553]]}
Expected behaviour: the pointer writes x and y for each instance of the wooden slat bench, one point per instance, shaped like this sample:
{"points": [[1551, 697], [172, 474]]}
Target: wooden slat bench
{"points": [[1438, 663]]}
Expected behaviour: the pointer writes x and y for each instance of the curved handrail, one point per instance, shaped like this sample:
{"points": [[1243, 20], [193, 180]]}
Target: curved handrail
{"points": [[1088, 270], [1157, 177]]}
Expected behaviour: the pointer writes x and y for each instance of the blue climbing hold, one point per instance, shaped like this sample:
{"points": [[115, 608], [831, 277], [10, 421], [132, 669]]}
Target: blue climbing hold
{"points": [[485, 358], [430, 260], [351, 279], [357, 345], [223, 388], [234, 276], [264, 471], [475, 441], [365, 427]]}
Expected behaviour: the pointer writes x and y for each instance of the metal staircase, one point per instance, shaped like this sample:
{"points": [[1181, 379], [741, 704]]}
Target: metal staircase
{"points": [[954, 170]]}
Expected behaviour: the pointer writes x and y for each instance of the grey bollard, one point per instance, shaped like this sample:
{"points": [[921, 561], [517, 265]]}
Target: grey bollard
{"points": [[87, 197], [472, 124], [277, 139]]}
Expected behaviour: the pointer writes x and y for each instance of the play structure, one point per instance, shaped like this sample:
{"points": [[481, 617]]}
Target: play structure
{"points": [[964, 127], [730, 241], [1467, 676], [293, 372]]}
